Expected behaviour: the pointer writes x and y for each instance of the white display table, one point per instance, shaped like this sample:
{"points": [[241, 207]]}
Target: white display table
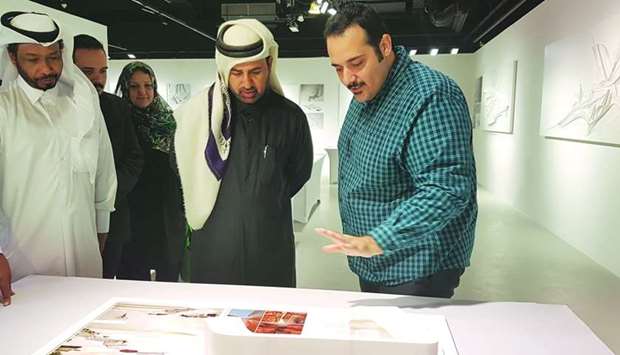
{"points": [[45, 308], [309, 195]]}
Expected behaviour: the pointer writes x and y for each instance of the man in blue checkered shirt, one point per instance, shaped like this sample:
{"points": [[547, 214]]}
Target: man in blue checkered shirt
{"points": [[407, 177]]}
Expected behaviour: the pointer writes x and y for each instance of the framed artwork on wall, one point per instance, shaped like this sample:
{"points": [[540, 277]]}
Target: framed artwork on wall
{"points": [[312, 98], [581, 87], [476, 109], [177, 93], [498, 98]]}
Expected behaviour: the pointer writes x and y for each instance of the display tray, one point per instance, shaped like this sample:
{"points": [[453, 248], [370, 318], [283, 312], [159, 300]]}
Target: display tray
{"points": [[147, 327]]}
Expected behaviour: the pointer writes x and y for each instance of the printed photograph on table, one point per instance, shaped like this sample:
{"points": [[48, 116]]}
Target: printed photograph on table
{"points": [[271, 322], [142, 329]]}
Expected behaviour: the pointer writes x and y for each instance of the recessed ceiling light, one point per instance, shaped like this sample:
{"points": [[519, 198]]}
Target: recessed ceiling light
{"points": [[434, 51], [332, 11], [132, 56], [293, 27], [324, 7], [454, 51], [413, 52]]}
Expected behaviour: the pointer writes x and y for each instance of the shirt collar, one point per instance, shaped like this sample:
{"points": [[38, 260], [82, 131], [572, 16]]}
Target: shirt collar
{"points": [[33, 94], [62, 88]]}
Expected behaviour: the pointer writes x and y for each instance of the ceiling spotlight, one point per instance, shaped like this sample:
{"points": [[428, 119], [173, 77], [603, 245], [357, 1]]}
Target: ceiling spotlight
{"points": [[131, 56], [319, 2], [332, 11], [434, 51], [63, 4], [314, 9], [300, 18], [413, 52], [293, 27], [324, 7], [454, 51]]}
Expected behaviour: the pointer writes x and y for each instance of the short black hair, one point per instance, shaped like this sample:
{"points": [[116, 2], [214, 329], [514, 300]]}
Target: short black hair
{"points": [[12, 47], [85, 41], [353, 13]]}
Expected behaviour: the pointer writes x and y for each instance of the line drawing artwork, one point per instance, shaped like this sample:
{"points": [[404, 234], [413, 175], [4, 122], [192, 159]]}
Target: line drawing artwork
{"points": [[594, 106]]}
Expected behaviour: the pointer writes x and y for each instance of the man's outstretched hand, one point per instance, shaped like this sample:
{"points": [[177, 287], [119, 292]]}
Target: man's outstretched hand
{"points": [[349, 245], [5, 281]]}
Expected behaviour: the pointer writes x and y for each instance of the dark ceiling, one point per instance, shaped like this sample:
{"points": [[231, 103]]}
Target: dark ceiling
{"points": [[185, 28]]}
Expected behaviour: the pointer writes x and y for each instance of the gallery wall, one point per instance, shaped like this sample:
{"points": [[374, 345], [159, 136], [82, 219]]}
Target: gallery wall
{"points": [[569, 187], [71, 25], [199, 73]]}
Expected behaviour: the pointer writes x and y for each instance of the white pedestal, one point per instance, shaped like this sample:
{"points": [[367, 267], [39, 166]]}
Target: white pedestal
{"points": [[332, 153], [310, 194]]}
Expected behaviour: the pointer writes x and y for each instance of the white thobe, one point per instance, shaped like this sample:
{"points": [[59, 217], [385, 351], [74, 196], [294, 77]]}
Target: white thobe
{"points": [[57, 181]]}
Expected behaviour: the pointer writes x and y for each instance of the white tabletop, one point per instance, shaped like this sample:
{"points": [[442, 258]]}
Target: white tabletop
{"points": [[44, 307]]}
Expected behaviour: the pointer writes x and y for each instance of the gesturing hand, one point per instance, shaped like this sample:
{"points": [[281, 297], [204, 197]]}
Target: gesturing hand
{"points": [[5, 281], [349, 245]]}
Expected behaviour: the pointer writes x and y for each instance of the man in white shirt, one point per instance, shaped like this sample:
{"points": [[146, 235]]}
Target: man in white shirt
{"points": [[57, 176]]}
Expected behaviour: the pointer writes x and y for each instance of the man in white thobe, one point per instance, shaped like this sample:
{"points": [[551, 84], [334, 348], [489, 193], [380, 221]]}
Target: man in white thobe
{"points": [[57, 176]]}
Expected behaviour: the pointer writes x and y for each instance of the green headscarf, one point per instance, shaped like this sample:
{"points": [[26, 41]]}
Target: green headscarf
{"points": [[155, 123]]}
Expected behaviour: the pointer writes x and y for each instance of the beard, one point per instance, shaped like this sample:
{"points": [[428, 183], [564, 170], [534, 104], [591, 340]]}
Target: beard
{"points": [[257, 95], [44, 82], [98, 87]]}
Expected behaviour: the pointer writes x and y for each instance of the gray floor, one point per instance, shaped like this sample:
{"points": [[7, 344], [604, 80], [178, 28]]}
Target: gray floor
{"points": [[513, 260]]}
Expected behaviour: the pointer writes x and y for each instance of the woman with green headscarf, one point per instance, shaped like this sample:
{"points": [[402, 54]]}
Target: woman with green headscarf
{"points": [[158, 223]]}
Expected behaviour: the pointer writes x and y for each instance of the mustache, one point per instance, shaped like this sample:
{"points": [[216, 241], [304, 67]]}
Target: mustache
{"points": [[51, 76], [355, 85]]}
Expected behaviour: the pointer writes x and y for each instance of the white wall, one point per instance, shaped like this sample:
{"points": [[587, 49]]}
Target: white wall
{"points": [[201, 73], [458, 67], [570, 188], [71, 25]]}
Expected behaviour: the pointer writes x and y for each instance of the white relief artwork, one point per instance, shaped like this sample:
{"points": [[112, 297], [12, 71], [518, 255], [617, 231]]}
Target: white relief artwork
{"points": [[477, 107], [311, 97], [498, 96], [178, 93], [581, 89]]}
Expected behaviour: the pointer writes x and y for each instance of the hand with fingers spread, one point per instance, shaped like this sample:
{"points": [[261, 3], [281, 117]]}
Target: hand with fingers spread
{"points": [[350, 245], [5, 281]]}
